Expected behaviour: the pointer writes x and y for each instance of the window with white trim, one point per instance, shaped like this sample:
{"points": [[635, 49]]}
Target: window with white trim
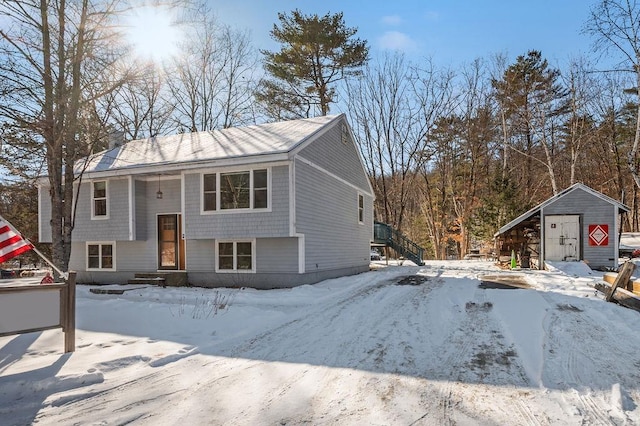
{"points": [[99, 205], [209, 192], [235, 256], [239, 190], [360, 208], [101, 256]]}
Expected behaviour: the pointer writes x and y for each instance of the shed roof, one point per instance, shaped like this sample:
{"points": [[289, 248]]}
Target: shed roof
{"points": [[536, 210], [241, 142]]}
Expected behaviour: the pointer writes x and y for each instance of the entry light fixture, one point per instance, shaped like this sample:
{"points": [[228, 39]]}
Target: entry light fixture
{"points": [[159, 193]]}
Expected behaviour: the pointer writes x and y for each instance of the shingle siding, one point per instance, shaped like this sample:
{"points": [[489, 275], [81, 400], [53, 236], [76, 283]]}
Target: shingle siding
{"points": [[141, 228], [337, 157], [116, 226], [253, 224], [277, 255], [327, 215]]}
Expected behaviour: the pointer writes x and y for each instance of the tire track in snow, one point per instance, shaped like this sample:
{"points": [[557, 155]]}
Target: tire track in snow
{"points": [[103, 403], [573, 359], [336, 335]]}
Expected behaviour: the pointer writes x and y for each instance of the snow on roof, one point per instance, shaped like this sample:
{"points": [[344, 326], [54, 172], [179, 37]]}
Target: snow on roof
{"points": [[256, 140]]}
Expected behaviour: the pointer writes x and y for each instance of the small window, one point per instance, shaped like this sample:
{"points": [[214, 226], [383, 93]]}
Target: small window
{"points": [[100, 256], [360, 208], [260, 189], [209, 185], [99, 199], [236, 256]]}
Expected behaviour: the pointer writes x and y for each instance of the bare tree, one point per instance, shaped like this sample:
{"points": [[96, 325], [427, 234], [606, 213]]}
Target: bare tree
{"points": [[140, 108], [386, 123], [57, 56], [616, 27], [212, 83]]}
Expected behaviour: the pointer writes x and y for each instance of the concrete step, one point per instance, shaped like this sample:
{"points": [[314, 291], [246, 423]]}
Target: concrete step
{"points": [[148, 280], [172, 278]]}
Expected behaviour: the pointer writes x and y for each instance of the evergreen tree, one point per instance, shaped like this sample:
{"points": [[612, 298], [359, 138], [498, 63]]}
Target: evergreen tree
{"points": [[533, 101], [316, 52]]}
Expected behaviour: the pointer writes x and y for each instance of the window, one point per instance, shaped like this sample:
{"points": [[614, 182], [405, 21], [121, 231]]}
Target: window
{"points": [[235, 190], [235, 256], [360, 208], [260, 189], [100, 256], [209, 186], [99, 199]]}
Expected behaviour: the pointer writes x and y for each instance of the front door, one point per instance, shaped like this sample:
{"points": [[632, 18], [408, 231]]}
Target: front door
{"points": [[562, 238], [168, 241]]}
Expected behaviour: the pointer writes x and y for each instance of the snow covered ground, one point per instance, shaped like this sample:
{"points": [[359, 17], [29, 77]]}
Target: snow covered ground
{"points": [[402, 345]]}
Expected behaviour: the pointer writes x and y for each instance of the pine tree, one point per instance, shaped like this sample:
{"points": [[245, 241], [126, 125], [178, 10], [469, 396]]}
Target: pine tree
{"points": [[316, 53]]}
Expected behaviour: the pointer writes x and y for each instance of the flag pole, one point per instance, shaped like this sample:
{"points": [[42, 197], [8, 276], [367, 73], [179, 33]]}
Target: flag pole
{"points": [[33, 247]]}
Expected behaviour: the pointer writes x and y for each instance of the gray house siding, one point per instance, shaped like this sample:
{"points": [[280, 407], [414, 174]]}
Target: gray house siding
{"points": [[337, 157], [141, 231], [276, 265], [253, 224], [592, 210], [130, 257], [116, 226], [327, 215], [279, 255]]}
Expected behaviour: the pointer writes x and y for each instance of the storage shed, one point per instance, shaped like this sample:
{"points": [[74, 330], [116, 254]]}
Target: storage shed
{"points": [[577, 224]]}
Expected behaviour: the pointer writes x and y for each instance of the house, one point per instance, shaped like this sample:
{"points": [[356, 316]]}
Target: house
{"points": [[264, 206], [578, 223]]}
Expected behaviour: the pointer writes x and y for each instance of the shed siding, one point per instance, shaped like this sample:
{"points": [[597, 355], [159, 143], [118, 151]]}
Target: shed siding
{"points": [[255, 224], [116, 227], [327, 214], [592, 210], [341, 159]]}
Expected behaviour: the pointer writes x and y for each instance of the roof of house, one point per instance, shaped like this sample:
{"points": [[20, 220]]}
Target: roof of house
{"points": [[215, 145], [577, 186]]}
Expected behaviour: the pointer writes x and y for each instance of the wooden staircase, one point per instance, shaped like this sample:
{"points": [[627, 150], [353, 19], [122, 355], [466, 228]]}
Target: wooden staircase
{"points": [[390, 237]]}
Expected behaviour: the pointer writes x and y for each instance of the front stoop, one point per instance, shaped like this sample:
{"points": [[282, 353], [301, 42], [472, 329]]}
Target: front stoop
{"points": [[171, 279]]}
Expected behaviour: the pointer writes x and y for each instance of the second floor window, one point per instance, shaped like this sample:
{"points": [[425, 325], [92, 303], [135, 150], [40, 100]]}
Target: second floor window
{"points": [[235, 190], [99, 199]]}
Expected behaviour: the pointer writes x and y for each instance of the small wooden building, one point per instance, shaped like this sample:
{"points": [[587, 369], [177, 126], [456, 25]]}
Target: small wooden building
{"points": [[577, 224]]}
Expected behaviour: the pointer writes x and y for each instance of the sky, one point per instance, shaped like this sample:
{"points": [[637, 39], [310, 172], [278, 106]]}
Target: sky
{"points": [[450, 32], [399, 345]]}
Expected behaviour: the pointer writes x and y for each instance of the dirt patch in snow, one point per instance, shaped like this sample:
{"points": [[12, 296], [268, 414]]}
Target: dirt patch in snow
{"points": [[412, 280], [503, 282]]}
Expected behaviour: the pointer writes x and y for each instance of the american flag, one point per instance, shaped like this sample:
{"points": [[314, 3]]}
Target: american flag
{"points": [[11, 243]]}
